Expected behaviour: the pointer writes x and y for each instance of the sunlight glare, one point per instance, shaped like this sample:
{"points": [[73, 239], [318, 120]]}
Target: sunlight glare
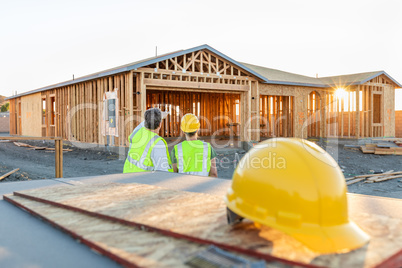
{"points": [[340, 93]]}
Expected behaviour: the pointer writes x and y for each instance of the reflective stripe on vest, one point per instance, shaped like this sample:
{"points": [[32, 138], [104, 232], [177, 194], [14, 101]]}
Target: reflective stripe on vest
{"points": [[180, 161], [138, 156], [140, 163]]}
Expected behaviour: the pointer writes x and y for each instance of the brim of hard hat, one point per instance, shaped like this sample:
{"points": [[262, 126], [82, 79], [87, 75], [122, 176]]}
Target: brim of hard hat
{"points": [[331, 239], [191, 130], [323, 239]]}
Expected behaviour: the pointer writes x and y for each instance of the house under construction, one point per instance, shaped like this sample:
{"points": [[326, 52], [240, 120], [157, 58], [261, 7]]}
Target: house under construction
{"points": [[232, 99]]}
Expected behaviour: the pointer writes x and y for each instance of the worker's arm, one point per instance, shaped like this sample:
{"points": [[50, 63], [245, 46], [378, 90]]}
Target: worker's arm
{"points": [[174, 161], [174, 165], [159, 157], [213, 172]]}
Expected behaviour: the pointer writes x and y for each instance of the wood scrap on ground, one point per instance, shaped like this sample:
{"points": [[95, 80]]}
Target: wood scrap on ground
{"points": [[21, 144], [9, 173], [32, 147], [351, 147], [370, 178]]}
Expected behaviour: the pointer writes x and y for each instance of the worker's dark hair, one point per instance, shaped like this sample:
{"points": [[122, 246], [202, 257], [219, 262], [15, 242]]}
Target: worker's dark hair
{"points": [[190, 134], [153, 118]]}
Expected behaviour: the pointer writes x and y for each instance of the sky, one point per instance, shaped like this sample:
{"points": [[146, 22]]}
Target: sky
{"points": [[47, 42]]}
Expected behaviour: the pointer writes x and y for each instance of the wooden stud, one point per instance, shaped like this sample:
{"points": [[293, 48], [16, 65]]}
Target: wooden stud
{"points": [[59, 158], [357, 112], [130, 95], [209, 63], [99, 106], [349, 112], [342, 113], [330, 106]]}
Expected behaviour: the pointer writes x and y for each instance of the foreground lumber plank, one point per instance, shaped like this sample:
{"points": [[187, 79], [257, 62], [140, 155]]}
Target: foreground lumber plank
{"points": [[126, 245], [203, 216]]}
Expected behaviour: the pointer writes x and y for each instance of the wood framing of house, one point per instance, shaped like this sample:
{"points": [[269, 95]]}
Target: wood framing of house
{"points": [[231, 99]]}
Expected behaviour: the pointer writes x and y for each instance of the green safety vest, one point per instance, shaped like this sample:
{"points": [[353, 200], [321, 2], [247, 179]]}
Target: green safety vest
{"points": [[193, 157], [142, 143]]}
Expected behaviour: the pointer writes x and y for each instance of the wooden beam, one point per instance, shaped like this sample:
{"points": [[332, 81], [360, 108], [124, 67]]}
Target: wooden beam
{"points": [[59, 158], [176, 65], [317, 114], [209, 63], [89, 118], [323, 109], [191, 62], [99, 111], [204, 75], [130, 93], [330, 113], [225, 67], [349, 113], [143, 94], [202, 63], [255, 107], [357, 112], [371, 111], [197, 85], [82, 115], [342, 112]]}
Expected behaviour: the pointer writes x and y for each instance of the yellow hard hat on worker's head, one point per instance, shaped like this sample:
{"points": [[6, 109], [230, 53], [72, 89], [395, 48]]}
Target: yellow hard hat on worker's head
{"points": [[189, 123], [295, 186]]}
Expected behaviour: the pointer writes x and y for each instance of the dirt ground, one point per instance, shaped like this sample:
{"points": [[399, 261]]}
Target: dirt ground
{"points": [[39, 164]]}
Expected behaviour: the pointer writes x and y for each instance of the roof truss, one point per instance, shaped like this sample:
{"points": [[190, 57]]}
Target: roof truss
{"points": [[382, 79], [202, 62]]}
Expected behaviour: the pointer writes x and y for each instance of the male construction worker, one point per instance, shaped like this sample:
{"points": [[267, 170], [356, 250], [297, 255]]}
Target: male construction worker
{"points": [[193, 156], [148, 151]]}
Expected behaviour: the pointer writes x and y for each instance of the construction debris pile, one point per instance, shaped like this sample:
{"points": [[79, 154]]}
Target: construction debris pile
{"points": [[392, 147], [370, 178]]}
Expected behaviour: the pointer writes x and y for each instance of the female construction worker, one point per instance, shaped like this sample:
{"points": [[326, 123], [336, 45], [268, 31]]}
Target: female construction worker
{"points": [[193, 156]]}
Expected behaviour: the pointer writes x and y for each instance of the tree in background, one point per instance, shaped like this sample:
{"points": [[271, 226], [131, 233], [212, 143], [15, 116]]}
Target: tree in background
{"points": [[5, 107]]}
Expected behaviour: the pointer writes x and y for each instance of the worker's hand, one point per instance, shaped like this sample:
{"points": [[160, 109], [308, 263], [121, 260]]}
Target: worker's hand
{"points": [[164, 114]]}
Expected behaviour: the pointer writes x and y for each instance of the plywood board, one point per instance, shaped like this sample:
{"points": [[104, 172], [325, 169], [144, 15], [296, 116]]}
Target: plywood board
{"points": [[127, 245], [282, 90], [388, 114], [31, 115], [203, 216]]}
